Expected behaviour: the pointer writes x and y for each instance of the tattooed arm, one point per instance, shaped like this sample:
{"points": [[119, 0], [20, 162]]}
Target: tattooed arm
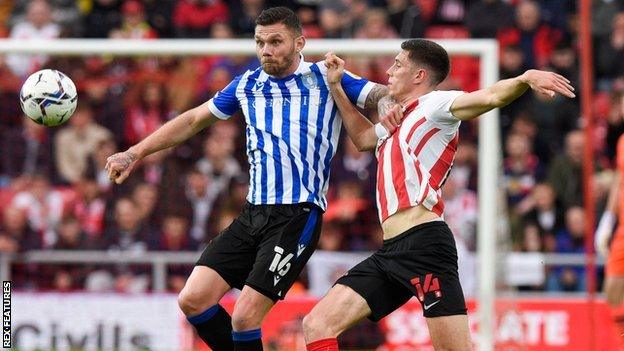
{"points": [[378, 98]]}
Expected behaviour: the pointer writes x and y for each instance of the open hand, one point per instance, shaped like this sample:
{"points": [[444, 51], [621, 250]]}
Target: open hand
{"points": [[120, 165], [335, 68], [549, 83]]}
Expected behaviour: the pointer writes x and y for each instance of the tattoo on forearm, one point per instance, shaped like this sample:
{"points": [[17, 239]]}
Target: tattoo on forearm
{"points": [[385, 104], [375, 95]]}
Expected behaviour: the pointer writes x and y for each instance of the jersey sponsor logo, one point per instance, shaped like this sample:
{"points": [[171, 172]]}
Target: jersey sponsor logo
{"points": [[280, 265], [431, 284]]}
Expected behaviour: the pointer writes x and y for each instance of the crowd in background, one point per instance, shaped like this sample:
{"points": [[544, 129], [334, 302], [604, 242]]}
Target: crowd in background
{"points": [[55, 194]]}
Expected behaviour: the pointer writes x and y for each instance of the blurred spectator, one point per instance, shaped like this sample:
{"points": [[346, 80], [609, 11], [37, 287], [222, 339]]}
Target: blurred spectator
{"points": [[406, 18], [145, 196], [615, 123], [128, 233], [89, 207], [63, 281], [134, 25], [76, 142], [357, 12], [610, 54], [465, 165], [356, 166], [243, 14], [63, 12], [542, 209], [331, 236], [159, 16], [570, 239], [565, 173], [564, 61], [449, 12], [43, 206], [512, 62], [38, 26], [461, 213], [174, 235], [355, 213], [128, 282], [332, 24], [309, 22], [201, 195], [536, 39], [554, 117], [103, 17], [498, 13], [150, 113], [26, 151], [603, 12], [72, 237], [16, 235], [218, 162], [97, 163], [375, 26], [194, 18], [522, 169]]}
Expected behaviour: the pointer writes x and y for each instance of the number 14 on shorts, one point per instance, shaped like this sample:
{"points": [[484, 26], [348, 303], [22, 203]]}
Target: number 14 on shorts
{"points": [[431, 284]]}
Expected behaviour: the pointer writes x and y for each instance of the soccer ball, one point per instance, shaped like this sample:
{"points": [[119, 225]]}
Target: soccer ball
{"points": [[48, 97]]}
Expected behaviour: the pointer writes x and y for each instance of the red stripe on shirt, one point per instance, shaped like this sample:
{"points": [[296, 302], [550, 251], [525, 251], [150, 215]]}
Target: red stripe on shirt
{"points": [[398, 175], [425, 139], [442, 165], [414, 127], [439, 207], [381, 182]]}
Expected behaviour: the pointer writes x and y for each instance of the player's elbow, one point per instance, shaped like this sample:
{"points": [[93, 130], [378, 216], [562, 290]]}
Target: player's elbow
{"points": [[365, 145]]}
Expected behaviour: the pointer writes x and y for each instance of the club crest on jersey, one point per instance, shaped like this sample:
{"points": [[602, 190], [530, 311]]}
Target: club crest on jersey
{"points": [[309, 80]]}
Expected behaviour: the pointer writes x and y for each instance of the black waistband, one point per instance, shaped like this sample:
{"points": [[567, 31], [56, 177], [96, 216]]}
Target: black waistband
{"points": [[415, 229]]}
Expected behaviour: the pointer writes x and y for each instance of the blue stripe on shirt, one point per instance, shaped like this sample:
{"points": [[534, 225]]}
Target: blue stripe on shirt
{"points": [[303, 134], [286, 137], [252, 123], [276, 155], [324, 94]]}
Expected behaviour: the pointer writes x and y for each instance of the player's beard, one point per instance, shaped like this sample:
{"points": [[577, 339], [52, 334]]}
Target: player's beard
{"points": [[276, 69]]}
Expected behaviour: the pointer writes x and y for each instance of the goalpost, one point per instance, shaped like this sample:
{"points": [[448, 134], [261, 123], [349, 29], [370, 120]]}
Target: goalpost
{"points": [[489, 149]]}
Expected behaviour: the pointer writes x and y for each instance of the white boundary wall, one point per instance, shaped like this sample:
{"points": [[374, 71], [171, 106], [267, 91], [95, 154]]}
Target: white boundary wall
{"points": [[489, 138]]}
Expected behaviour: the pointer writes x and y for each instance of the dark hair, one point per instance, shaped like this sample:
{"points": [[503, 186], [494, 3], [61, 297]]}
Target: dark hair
{"points": [[429, 54], [280, 14]]}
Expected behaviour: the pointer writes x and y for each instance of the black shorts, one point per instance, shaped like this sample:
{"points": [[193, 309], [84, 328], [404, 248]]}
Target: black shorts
{"points": [[421, 262], [265, 247]]}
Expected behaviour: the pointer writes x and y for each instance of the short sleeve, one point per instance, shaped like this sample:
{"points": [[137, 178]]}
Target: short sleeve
{"points": [[620, 153], [356, 87], [225, 103], [439, 103]]}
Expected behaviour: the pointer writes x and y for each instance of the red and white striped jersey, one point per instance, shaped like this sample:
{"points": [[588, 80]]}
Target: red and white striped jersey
{"points": [[415, 160]]}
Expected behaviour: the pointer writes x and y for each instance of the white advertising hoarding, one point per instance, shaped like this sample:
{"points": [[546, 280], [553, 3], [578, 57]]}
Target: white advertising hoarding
{"points": [[96, 322]]}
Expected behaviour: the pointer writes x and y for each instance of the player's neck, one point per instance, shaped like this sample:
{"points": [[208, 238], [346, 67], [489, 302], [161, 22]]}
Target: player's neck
{"points": [[413, 96]]}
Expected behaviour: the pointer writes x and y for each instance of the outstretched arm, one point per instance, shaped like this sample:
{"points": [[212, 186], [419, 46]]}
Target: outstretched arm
{"points": [[170, 134], [472, 105], [360, 129], [607, 221]]}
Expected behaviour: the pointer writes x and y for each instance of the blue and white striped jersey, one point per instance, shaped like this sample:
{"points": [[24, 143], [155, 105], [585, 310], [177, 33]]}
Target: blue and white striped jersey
{"points": [[292, 130]]}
